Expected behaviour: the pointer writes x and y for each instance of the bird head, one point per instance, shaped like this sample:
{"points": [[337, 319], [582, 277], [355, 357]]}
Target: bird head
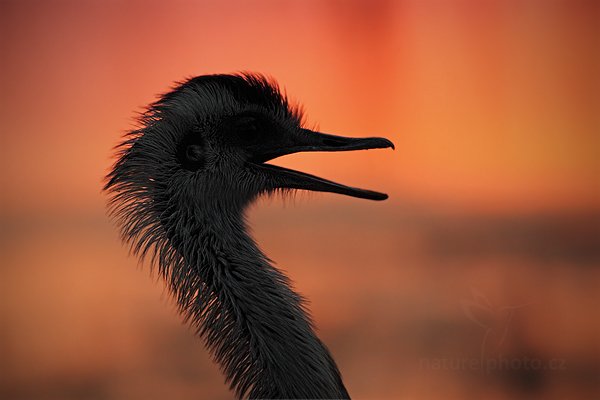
{"points": [[207, 143]]}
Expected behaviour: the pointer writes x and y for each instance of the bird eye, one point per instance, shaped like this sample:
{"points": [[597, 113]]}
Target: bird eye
{"points": [[191, 152], [247, 128]]}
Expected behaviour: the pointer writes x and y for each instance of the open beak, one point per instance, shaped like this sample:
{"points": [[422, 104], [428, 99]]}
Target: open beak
{"points": [[307, 140]]}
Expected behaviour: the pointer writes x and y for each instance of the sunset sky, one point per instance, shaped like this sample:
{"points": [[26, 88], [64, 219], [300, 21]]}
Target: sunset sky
{"points": [[493, 105], [494, 108]]}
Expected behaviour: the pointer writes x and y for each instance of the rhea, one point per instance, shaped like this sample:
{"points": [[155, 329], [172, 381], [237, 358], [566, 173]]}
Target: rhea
{"points": [[178, 191]]}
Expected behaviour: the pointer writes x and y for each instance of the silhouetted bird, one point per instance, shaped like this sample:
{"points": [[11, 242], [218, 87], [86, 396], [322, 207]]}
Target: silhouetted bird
{"points": [[178, 192]]}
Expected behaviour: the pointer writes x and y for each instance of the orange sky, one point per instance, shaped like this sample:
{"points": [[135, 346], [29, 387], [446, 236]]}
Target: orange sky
{"points": [[493, 105]]}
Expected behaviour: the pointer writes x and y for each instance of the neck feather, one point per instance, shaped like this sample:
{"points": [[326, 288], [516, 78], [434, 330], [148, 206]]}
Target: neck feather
{"points": [[253, 322]]}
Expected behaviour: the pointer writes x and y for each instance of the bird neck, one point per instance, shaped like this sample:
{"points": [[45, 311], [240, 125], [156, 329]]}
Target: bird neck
{"points": [[250, 318]]}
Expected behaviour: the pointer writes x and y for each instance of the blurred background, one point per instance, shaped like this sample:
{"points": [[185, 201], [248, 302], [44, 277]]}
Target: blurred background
{"points": [[478, 278]]}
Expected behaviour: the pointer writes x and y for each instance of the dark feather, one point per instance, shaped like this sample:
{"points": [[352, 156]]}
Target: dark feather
{"points": [[190, 222]]}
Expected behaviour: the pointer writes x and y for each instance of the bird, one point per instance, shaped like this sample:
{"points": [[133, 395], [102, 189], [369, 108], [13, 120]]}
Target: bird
{"points": [[178, 192]]}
